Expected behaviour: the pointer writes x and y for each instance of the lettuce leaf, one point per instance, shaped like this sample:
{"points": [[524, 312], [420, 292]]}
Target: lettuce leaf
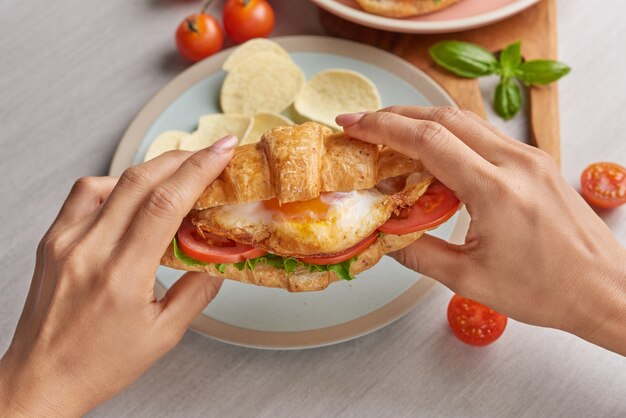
{"points": [[190, 261], [289, 264]]}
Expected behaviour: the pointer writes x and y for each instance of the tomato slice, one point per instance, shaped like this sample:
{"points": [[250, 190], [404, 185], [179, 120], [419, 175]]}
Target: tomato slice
{"points": [[323, 260], [604, 185], [473, 323], [213, 248], [433, 208]]}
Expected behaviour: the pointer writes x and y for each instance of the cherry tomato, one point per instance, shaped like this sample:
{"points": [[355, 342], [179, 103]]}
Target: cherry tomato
{"points": [[433, 208], [247, 19], [199, 36], [213, 248], [604, 185], [473, 323], [343, 256]]}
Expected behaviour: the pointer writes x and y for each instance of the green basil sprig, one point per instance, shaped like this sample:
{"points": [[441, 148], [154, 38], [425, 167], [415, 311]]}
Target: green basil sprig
{"points": [[471, 61]]}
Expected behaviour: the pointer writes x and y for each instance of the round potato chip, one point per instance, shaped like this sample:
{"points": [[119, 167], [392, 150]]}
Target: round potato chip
{"points": [[213, 127], [253, 46], [333, 92], [167, 141], [262, 123], [263, 82]]}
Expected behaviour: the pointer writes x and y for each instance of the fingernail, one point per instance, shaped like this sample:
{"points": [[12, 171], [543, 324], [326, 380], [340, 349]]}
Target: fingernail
{"points": [[225, 144], [348, 119]]}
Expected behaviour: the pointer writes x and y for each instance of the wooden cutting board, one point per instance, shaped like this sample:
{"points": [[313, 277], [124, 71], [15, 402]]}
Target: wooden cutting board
{"points": [[535, 27]]}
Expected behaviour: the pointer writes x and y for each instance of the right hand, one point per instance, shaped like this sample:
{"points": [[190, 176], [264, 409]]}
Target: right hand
{"points": [[535, 250]]}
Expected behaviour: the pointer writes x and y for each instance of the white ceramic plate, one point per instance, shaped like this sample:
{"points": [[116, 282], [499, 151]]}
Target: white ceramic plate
{"points": [[467, 14], [271, 318]]}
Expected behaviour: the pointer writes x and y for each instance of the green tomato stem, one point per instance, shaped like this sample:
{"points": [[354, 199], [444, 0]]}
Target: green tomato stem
{"points": [[205, 6], [191, 25]]}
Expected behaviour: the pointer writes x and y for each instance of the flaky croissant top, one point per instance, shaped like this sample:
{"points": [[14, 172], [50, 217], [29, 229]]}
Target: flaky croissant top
{"points": [[297, 163]]}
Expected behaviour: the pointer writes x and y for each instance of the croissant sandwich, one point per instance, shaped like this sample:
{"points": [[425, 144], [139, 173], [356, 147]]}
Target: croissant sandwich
{"points": [[305, 207], [404, 8]]}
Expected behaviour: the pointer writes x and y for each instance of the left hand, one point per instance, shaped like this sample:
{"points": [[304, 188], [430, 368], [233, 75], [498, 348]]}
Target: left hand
{"points": [[91, 324]]}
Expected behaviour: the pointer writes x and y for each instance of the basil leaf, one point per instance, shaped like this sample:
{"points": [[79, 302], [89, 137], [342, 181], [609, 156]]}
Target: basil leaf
{"points": [[240, 265], [508, 98], [541, 71], [220, 267], [184, 258], [464, 59], [510, 59]]}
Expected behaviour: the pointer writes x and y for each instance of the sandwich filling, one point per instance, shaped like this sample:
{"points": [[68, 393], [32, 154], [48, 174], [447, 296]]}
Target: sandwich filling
{"points": [[328, 224], [323, 234]]}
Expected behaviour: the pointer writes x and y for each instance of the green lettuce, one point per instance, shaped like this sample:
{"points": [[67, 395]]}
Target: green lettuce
{"points": [[190, 261], [289, 264]]}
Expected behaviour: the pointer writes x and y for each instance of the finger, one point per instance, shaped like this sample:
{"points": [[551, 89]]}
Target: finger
{"points": [[187, 298], [161, 213], [131, 190], [470, 128], [435, 258], [443, 154], [517, 148], [87, 195]]}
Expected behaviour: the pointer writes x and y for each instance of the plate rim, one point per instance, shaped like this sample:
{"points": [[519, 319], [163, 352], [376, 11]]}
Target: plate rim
{"points": [[411, 26], [370, 322]]}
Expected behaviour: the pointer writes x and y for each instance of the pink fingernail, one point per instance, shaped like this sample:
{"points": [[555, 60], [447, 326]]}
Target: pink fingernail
{"points": [[348, 119], [225, 144]]}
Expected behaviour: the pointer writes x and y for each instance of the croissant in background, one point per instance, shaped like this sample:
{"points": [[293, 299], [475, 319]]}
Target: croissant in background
{"points": [[300, 209], [404, 8]]}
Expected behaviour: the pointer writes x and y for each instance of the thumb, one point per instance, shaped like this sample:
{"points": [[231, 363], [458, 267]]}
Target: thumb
{"points": [[435, 258], [188, 297]]}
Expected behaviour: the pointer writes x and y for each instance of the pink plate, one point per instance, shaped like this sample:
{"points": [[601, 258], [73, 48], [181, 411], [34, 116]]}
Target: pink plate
{"points": [[467, 14]]}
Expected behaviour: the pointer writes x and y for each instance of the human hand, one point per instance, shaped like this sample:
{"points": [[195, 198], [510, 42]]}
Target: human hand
{"points": [[91, 324], [534, 251]]}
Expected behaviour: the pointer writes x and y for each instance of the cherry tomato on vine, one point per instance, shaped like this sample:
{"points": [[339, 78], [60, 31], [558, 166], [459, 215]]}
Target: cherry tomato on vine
{"points": [[199, 36], [247, 19]]}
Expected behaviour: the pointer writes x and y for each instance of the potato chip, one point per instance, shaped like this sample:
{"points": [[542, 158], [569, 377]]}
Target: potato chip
{"points": [[253, 46], [167, 141], [213, 127], [333, 92], [263, 82], [262, 123]]}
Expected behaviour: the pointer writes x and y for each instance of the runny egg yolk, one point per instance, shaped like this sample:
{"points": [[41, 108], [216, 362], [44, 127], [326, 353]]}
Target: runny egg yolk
{"points": [[308, 210]]}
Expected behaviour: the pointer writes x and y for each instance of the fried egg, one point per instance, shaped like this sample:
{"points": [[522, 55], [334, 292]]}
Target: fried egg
{"points": [[329, 224]]}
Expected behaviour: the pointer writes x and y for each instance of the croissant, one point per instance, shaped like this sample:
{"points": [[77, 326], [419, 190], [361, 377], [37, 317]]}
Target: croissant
{"points": [[403, 8], [297, 163]]}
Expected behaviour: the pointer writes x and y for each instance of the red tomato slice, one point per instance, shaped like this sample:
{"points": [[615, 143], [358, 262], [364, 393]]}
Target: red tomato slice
{"points": [[433, 208], [213, 248], [343, 256], [473, 323], [604, 185]]}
